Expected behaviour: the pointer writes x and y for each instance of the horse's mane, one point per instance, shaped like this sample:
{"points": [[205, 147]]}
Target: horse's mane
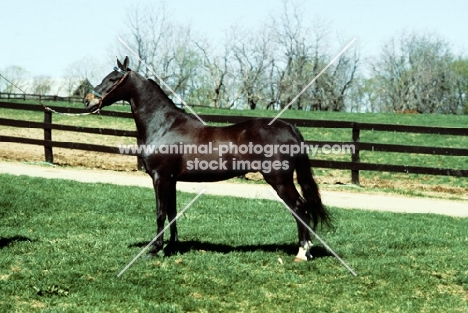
{"points": [[167, 97]]}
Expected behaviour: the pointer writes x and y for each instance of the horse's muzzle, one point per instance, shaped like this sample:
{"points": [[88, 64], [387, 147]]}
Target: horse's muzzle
{"points": [[91, 102]]}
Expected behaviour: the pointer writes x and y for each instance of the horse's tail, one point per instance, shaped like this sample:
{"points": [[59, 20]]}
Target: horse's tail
{"points": [[316, 210]]}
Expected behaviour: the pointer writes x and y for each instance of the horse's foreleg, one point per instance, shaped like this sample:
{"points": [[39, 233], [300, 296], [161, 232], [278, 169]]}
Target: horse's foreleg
{"points": [[162, 189], [172, 214]]}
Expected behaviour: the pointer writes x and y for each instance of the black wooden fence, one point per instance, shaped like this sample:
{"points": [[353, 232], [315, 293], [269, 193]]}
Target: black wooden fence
{"points": [[38, 97], [354, 164]]}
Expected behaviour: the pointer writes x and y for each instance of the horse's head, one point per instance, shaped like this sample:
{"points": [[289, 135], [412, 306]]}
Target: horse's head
{"points": [[108, 91]]}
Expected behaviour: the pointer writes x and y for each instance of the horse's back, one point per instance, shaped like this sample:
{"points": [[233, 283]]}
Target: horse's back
{"points": [[260, 131]]}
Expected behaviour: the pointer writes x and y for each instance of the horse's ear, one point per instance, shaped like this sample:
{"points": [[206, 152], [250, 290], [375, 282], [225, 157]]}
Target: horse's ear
{"points": [[126, 61], [120, 65], [124, 66]]}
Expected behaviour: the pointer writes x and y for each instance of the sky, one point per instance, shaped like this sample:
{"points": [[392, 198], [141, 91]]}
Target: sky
{"points": [[45, 37]]}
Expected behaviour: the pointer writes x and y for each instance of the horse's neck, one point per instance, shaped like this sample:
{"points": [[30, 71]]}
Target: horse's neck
{"points": [[153, 111]]}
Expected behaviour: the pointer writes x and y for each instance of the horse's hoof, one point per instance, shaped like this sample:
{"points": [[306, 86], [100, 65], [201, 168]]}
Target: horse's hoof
{"points": [[299, 259], [171, 249], [303, 255], [153, 252], [150, 255]]}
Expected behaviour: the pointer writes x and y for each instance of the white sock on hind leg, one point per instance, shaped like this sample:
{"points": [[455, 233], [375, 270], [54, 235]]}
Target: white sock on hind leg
{"points": [[303, 253]]}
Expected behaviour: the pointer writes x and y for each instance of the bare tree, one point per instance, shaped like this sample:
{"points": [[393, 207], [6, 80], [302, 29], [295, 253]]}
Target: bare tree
{"points": [[294, 53], [217, 68], [331, 89], [82, 73], [166, 48], [252, 55], [41, 84], [16, 76], [182, 60], [147, 27], [302, 52], [262, 68]]}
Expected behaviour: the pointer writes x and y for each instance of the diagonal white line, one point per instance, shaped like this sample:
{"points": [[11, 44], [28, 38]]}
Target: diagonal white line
{"points": [[161, 81], [313, 80], [160, 233], [12, 84], [316, 236]]}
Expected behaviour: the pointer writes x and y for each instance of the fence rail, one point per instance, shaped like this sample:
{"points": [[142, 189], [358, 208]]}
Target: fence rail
{"points": [[354, 165], [38, 97], [69, 99]]}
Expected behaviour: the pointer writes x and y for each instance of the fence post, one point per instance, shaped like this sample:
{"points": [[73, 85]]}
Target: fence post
{"points": [[355, 155], [49, 156]]}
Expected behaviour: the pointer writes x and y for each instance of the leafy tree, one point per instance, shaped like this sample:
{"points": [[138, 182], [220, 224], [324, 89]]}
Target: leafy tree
{"points": [[414, 72], [83, 88], [460, 88]]}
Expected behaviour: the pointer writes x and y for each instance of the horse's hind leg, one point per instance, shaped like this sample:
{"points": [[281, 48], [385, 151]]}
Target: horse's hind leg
{"points": [[296, 203]]}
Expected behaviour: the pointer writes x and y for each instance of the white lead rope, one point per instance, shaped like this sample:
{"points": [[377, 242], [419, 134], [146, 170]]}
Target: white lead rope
{"points": [[49, 108]]}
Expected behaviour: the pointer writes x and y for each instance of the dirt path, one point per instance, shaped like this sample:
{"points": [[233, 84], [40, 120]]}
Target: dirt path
{"points": [[392, 203]]}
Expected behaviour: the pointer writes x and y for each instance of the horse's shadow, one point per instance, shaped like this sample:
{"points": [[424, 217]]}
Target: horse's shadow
{"points": [[6, 241], [184, 247]]}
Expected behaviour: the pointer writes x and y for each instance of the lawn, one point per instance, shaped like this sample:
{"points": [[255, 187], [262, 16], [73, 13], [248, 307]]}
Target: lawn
{"points": [[63, 243]]}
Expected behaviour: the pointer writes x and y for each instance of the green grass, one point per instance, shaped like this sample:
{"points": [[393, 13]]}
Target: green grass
{"points": [[63, 243]]}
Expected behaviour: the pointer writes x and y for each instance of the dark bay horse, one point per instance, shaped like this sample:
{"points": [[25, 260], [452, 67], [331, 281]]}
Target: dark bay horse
{"points": [[180, 148]]}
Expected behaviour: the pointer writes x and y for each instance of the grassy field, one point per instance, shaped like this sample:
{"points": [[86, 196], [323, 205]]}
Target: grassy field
{"points": [[420, 185], [63, 243]]}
